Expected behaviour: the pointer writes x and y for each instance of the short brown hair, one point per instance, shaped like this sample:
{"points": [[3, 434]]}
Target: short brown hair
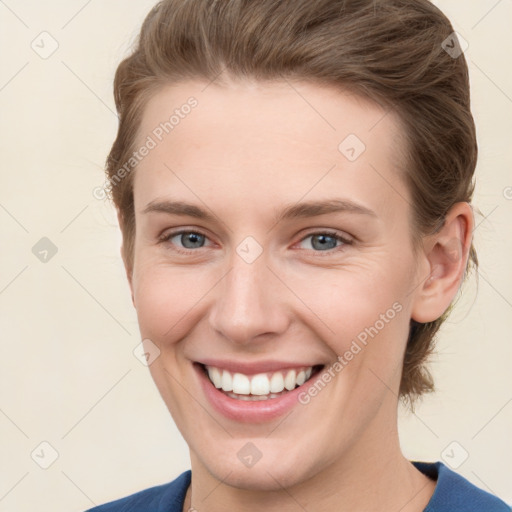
{"points": [[389, 51]]}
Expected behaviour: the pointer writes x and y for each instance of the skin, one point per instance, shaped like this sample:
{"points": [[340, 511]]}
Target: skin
{"points": [[247, 150]]}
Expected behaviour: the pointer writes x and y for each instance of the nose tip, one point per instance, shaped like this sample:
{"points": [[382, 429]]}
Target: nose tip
{"points": [[248, 304]]}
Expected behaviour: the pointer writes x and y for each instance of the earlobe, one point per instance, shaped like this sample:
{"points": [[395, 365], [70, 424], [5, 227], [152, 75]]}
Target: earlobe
{"points": [[446, 253]]}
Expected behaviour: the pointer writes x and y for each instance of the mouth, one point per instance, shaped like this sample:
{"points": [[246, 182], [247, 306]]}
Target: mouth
{"points": [[260, 386]]}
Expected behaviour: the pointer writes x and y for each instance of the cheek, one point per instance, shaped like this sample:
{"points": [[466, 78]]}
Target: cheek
{"points": [[167, 300], [168, 303], [362, 316]]}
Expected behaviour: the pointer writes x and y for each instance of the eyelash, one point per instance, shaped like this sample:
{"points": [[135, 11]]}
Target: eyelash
{"points": [[344, 241]]}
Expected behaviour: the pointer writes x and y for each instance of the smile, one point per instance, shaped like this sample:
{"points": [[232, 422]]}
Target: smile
{"points": [[260, 386]]}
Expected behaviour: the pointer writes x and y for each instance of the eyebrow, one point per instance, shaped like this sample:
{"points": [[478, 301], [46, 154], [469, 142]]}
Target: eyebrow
{"points": [[289, 212], [316, 208], [178, 208]]}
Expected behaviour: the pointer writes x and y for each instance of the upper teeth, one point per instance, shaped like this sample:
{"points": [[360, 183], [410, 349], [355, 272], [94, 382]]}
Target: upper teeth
{"points": [[259, 384]]}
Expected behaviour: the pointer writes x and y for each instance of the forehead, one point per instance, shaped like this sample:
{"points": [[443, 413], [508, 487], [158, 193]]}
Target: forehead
{"points": [[276, 107], [297, 137]]}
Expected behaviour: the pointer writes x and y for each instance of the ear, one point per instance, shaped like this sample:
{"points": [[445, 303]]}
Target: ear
{"points": [[127, 268], [445, 256]]}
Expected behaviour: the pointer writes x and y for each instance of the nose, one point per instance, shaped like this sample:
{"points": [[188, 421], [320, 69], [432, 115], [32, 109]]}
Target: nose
{"points": [[249, 303]]}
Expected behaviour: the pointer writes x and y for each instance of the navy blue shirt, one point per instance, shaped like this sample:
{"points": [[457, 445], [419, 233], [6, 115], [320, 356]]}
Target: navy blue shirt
{"points": [[453, 493]]}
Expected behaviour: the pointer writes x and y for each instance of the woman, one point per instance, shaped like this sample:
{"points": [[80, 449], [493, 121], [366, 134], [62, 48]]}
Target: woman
{"points": [[293, 183]]}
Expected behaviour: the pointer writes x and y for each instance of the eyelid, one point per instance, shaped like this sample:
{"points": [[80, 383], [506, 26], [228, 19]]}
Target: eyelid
{"points": [[166, 234], [344, 237]]}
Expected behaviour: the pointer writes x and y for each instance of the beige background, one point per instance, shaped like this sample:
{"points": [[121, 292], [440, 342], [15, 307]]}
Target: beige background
{"points": [[68, 376]]}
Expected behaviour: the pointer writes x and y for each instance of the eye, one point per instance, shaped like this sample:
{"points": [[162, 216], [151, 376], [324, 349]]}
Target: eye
{"points": [[325, 241], [187, 240]]}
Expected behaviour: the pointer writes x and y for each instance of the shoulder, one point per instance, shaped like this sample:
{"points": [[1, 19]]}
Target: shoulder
{"points": [[161, 498], [454, 493]]}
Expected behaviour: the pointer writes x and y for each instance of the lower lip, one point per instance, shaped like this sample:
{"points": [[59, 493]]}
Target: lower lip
{"points": [[257, 411]]}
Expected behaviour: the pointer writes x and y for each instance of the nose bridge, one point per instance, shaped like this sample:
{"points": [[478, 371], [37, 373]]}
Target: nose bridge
{"points": [[247, 303]]}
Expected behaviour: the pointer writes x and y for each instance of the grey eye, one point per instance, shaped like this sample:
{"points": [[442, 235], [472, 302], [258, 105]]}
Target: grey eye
{"points": [[323, 242], [190, 239]]}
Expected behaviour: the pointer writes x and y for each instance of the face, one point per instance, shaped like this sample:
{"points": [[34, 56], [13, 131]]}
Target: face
{"points": [[273, 245]]}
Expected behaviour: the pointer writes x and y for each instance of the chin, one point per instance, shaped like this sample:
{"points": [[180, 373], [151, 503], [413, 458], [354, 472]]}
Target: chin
{"points": [[269, 473], [264, 478]]}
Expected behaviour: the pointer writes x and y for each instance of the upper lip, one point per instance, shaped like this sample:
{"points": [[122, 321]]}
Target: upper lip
{"points": [[250, 368]]}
